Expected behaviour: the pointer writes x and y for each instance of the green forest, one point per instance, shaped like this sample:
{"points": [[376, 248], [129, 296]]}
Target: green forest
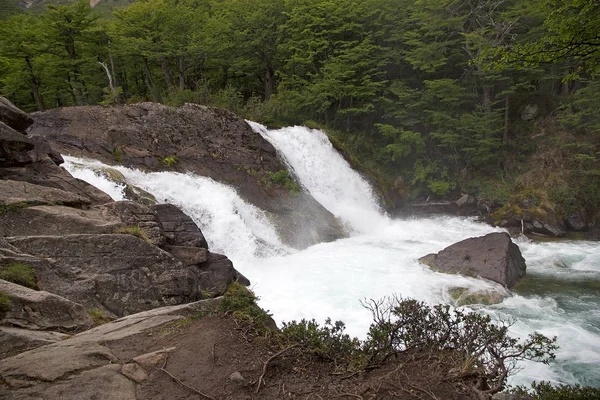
{"points": [[433, 98]]}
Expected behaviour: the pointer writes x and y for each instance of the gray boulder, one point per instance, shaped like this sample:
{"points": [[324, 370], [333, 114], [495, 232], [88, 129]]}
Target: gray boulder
{"points": [[12, 116], [41, 310], [14, 147], [493, 256], [178, 228]]}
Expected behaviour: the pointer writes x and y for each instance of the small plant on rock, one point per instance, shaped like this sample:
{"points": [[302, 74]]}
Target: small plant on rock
{"points": [[21, 274], [170, 161], [5, 303], [98, 316], [283, 178], [135, 231]]}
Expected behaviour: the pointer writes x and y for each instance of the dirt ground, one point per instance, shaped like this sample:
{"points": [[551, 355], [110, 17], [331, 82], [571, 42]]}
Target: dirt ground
{"points": [[209, 350]]}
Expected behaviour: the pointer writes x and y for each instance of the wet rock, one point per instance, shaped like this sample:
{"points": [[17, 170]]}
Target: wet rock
{"points": [[178, 228], [493, 256]]}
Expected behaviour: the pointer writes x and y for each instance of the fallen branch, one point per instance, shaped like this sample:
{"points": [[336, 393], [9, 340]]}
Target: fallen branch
{"points": [[181, 383], [266, 364]]}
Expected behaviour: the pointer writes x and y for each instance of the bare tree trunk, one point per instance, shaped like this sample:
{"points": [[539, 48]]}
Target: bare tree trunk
{"points": [[269, 83], [506, 114], [487, 99], [181, 73], [35, 87], [164, 64], [148, 78]]}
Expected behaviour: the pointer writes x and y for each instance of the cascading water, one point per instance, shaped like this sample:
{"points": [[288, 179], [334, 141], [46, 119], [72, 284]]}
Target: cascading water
{"points": [[324, 172], [560, 296]]}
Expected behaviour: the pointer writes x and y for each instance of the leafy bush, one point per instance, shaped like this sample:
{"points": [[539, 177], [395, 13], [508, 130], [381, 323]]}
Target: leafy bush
{"points": [[5, 303], [545, 391], [21, 274], [241, 303], [400, 325], [327, 342], [6, 208], [135, 231]]}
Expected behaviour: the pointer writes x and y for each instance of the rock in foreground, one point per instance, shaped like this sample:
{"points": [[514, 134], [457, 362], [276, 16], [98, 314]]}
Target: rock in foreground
{"points": [[493, 256]]}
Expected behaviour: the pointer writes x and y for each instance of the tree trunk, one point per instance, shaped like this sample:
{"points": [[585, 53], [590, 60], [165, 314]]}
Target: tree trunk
{"points": [[164, 65], [269, 83], [148, 79], [506, 113], [181, 73], [487, 99], [35, 87]]}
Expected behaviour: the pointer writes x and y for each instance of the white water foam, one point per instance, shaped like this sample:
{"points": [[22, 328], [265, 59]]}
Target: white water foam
{"points": [[231, 226], [326, 175], [329, 280]]}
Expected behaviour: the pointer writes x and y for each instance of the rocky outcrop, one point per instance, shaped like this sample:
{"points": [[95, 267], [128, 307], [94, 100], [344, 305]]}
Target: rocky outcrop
{"points": [[40, 310], [207, 141], [493, 256], [87, 251]]}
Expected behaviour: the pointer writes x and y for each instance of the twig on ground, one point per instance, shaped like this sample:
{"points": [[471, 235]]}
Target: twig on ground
{"points": [[179, 381], [266, 365], [356, 396]]}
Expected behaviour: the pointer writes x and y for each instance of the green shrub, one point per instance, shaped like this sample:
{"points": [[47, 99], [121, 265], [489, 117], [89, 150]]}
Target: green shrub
{"points": [[170, 161], [240, 301], [98, 316], [327, 342], [135, 231], [5, 303], [21, 274], [489, 353], [546, 391], [283, 178]]}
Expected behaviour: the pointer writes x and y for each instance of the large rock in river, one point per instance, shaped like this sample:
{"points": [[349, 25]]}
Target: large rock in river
{"points": [[493, 256]]}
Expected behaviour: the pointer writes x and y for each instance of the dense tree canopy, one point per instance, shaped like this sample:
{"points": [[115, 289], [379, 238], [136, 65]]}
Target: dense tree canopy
{"points": [[426, 89]]}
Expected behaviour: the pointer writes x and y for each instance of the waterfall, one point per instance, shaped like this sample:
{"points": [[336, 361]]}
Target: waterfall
{"points": [[326, 175], [559, 296]]}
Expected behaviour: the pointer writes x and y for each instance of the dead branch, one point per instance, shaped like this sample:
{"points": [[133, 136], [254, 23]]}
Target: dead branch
{"points": [[266, 364], [181, 383]]}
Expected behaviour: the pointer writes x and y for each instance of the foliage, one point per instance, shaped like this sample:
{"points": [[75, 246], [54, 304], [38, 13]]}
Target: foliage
{"points": [[21, 274], [241, 303], [5, 302], [327, 342], [135, 231], [401, 325], [430, 95], [170, 161], [98, 316], [546, 391], [283, 178], [12, 207]]}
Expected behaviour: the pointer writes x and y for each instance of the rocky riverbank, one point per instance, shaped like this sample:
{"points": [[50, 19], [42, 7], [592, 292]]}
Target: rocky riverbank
{"points": [[207, 141]]}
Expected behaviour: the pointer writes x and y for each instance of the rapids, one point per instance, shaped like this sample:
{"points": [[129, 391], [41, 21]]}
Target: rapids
{"points": [[560, 296]]}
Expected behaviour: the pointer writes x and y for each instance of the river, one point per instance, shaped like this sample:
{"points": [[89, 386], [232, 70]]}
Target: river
{"points": [[559, 297]]}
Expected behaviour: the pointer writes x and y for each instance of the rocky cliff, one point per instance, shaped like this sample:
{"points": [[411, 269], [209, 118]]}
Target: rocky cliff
{"points": [[69, 254], [207, 141]]}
